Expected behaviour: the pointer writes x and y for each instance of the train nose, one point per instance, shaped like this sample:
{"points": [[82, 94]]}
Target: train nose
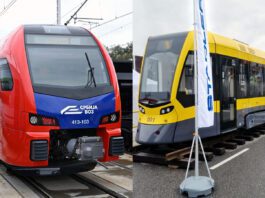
{"points": [[155, 134], [72, 114]]}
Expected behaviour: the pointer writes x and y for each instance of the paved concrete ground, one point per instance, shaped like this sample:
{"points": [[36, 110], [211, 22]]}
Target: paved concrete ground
{"points": [[242, 177], [6, 190], [117, 177]]}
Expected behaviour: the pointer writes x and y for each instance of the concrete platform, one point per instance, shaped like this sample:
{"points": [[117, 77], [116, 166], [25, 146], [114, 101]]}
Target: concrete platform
{"points": [[238, 174], [6, 190]]}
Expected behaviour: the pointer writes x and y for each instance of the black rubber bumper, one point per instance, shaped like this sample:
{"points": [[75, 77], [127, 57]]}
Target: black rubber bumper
{"points": [[62, 168]]}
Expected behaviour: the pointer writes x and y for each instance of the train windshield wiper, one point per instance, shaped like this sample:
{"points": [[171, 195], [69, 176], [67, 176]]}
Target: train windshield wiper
{"points": [[90, 74]]}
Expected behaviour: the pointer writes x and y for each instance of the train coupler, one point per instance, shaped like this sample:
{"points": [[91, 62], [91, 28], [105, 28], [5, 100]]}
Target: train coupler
{"points": [[86, 148]]}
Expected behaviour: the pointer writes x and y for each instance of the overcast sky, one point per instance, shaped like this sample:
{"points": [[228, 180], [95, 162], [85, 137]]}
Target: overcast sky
{"points": [[242, 20], [44, 12]]}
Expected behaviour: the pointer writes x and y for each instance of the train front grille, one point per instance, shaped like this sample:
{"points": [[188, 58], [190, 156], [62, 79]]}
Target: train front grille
{"points": [[39, 150], [116, 146]]}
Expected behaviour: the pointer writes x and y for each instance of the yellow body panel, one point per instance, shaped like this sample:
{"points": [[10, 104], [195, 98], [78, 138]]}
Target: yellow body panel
{"points": [[152, 115], [233, 48], [220, 45], [247, 103]]}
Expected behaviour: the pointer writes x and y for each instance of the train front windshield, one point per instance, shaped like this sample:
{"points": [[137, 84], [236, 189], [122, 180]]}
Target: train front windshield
{"points": [[159, 68], [65, 61]]}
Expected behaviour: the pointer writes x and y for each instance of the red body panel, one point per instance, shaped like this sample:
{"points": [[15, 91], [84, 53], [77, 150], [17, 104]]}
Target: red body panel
{"points": [[16, 132], [109, 130]]}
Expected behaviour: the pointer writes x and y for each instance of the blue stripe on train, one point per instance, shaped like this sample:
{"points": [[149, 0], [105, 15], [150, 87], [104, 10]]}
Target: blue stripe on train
{"points": [[75, 113]]}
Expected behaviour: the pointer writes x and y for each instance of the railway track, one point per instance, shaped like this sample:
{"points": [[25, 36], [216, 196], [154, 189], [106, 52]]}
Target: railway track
{"points": [[104, 188], [86, 184], [36, 187], [129, 168], [177, 157], [124, 162]]}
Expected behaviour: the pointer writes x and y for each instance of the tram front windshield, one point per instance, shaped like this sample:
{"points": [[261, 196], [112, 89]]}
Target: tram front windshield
{"points": [[159, 68]]}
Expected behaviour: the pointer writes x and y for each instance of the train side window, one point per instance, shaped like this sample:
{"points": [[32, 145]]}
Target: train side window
{"points": [[242, 79], [6, 79], [255, 80], [185, 93]]}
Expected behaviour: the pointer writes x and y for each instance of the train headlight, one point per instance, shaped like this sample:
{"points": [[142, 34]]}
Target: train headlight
{"points": [[114, 117], [166, 110], [141, 109], [39, 120], [33, 120]]}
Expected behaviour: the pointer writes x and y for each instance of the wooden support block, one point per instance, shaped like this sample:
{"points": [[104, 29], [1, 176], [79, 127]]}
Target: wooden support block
{"points": [[178, 154], [246, 137], [216, 150], [227, 145], [252, 134], [208, 155], [261, 131], [238, 141], [149, 158]]}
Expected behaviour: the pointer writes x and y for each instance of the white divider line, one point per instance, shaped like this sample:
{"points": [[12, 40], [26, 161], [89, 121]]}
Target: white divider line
{"points": [[229, 159]]}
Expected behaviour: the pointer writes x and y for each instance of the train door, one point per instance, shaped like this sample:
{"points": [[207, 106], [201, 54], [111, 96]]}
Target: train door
{"points": [[228, 94]]}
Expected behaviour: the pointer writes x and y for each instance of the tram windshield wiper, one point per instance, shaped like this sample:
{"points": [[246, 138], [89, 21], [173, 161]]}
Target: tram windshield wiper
{"points": [[90, 73], [154, 98], [152, 101], [148, 101]]}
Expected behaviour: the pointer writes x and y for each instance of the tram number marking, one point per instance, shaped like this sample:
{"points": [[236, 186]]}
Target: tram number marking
{"points": [[150, 119], [77, 122]]}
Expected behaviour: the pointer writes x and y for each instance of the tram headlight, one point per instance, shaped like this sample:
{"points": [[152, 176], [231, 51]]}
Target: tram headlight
{"points": [[166, 110], [141, 109]]}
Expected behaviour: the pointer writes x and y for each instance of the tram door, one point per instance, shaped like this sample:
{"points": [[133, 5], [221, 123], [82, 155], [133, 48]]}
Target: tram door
{"points": [[228, 91]]}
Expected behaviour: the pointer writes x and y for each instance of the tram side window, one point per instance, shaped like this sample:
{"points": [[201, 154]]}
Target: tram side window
{"points": [[6, 79], [260, 80], [263, 66], [186, 87], [255, 80], [228, 77], [242, 79]]}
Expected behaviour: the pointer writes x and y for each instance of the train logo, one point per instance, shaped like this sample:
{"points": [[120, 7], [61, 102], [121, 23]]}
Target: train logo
{"points": [[82, 109], [71, 110]]}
